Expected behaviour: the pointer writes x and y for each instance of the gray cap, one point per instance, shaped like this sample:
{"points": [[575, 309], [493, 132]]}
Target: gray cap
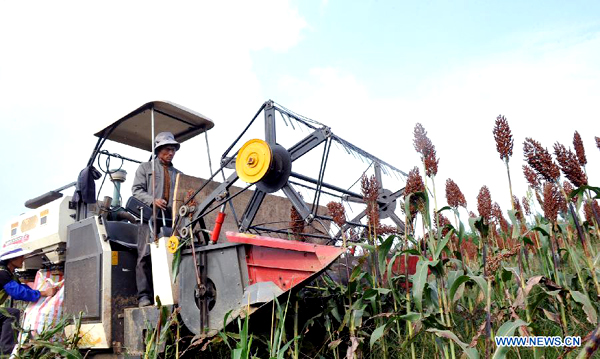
{"points": [[163, 139]]}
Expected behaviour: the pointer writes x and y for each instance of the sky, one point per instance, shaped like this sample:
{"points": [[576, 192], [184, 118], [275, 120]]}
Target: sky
{"points": [[368, 69]]}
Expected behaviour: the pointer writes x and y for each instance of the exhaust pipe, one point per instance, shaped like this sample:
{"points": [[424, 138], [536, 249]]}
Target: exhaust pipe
{"points": [[117, 177]]}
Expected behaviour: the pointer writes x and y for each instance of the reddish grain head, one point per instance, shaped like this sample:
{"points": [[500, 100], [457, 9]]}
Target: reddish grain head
{"points": [[540, 160], [570, 165], [484, 203], [503, 137]]}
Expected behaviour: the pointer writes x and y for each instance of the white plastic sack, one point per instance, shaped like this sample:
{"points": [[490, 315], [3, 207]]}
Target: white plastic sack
{"points": [[47, 310]]}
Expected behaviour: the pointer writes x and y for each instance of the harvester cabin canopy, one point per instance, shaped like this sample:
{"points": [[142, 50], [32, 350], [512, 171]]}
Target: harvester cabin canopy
{"points": [[135, 129]]}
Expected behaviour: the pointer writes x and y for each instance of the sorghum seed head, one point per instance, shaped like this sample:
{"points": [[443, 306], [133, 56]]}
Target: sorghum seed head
{"points": [[426, 149], [421, 141], [484, 203], [431, 164], [562, 204], [570, 165], [443, 222], [526, 206], [414, 184], [503, 137], [540, 159], [296, 223], [370, 191], [454, 195], [551, 201], [496, 211], [385, 229], [589, 212], [579, 150], [499, 217], [539, 199], [337, 213], [531, 176], [518, 208], [568, 189], [369, 187], [493, 264]]}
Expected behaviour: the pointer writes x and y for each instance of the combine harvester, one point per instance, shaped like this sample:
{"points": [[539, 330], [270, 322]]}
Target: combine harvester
{"points": [[216, 253]]}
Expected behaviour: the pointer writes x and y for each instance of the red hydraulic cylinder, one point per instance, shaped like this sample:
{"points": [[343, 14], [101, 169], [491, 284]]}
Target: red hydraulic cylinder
{"points": [[218, 224]]}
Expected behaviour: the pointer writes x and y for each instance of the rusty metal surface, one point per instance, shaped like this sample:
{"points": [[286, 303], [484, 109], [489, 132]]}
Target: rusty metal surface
{"points": [[275, 210]]}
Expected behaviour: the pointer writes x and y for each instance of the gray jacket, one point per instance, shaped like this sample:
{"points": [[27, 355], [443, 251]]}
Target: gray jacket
{"points": [[142, 183]]}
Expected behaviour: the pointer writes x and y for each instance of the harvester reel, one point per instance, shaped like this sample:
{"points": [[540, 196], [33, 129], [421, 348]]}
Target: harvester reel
{"points": [[220, 268]]}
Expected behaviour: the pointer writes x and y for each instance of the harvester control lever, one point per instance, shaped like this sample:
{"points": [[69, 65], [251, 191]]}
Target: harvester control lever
{"points": [[141, 209]]}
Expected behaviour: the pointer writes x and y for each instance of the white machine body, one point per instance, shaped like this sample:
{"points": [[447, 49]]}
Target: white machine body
{"points": [[43, 228]]}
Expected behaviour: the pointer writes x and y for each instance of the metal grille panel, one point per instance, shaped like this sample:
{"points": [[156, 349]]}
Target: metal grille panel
{"points": [[83, 270]]}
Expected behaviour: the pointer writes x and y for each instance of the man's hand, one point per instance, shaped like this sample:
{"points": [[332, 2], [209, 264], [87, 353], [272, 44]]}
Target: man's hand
{"points": [[160, 203], [48, 292]]}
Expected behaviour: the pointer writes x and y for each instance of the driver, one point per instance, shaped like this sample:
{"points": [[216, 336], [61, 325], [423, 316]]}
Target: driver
{"points": [[165, 147]]}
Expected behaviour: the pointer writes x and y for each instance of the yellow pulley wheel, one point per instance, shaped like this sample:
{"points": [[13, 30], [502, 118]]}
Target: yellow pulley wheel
{"points": [[172, 244], [253, 161]]}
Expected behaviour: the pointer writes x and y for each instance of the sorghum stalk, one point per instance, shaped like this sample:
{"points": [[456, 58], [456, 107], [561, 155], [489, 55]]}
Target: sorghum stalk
{"points": [[520, 254], [425, 147], [570, 163], [296, 346], [488, 301], [462, 257], [442, 298], [408, 323], [594, 218], [557, 278], [444, 293], [580, 155], [442, 317], [584, 244]]}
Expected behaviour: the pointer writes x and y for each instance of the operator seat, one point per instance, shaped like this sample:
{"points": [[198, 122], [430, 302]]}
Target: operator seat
{"points": [[122, 233]]}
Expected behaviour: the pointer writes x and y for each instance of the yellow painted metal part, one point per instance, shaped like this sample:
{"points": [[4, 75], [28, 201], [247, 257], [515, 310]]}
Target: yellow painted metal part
{"points": [[253, 160], [172, 244]]}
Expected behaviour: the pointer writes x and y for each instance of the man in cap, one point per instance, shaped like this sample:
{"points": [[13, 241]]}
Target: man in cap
{"points": [[12, 287], [165, 174]]}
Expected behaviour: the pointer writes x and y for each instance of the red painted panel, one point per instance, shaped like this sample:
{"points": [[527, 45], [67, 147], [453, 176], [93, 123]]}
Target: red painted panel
{"points": [[398, 267], [284, 262], [271, 242]]}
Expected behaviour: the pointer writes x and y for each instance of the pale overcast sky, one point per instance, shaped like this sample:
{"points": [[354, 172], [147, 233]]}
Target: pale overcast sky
{"points": [[368, 69]]}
